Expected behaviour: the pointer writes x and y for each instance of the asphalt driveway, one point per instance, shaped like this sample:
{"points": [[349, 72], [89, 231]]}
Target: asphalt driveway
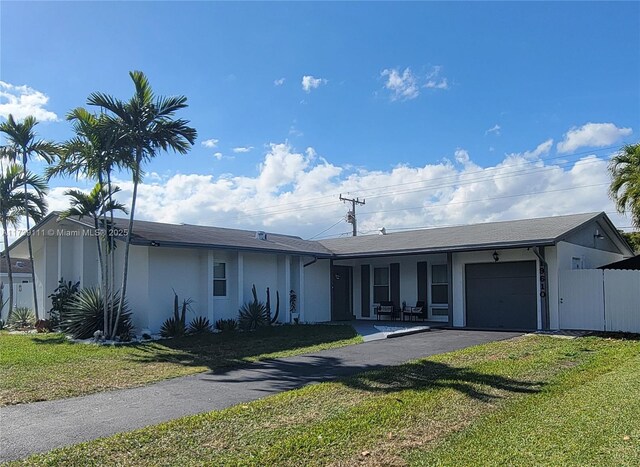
{"points": [[42, 426]]}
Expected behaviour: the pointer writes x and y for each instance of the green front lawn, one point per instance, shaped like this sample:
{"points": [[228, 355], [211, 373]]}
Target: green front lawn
{"points": [[533, 400], [39, 367]]}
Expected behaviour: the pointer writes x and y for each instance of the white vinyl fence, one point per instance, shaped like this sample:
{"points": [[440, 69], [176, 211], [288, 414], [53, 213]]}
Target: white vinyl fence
{"points": [[600, 300]]}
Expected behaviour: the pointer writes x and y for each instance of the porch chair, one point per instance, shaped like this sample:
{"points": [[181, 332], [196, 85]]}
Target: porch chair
{"points": [[419, 312], [385, 309]]}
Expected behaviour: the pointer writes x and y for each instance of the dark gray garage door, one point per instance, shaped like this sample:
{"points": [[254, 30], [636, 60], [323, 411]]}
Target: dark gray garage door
{"points": [[501, 295]]}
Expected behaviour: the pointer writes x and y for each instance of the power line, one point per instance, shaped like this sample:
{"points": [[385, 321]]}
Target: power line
{"points": [[351, 215], [572, 159], [428, 187], [328, 228]]}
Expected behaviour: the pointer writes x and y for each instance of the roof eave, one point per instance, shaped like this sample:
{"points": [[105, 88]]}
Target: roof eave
{"points": [[461, 249]]}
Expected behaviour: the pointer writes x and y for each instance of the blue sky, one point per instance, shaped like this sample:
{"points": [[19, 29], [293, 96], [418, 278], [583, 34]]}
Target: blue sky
{"points": [[393, 90]]}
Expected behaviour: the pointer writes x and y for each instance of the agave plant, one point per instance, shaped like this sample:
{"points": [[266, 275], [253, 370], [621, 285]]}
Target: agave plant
{"points": [[176, 326], [226, 325], [252, 315], [83, 315], [22, 318], [199, 324]]}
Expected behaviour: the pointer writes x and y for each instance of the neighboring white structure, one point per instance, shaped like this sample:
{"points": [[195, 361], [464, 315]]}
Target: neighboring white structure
{"points": [[22, 289], [492, 275]]}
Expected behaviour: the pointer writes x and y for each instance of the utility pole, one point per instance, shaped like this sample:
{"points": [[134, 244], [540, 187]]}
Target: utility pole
{"points": [[351, 215]]}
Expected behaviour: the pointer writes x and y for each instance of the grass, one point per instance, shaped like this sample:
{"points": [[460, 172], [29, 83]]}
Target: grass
{"points": [[534, 400], [37, 367]]}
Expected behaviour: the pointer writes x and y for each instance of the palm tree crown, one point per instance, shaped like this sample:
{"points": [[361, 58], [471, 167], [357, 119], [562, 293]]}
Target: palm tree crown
{"points": [[625, 183]]}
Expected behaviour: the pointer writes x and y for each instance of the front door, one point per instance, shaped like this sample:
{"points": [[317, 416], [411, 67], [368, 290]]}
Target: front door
{"points": [[341, 278]]}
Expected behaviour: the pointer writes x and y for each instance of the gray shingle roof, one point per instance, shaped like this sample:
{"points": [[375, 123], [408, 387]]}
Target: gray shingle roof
{"points": [[188, 235], [526, 232], [18, 266]]}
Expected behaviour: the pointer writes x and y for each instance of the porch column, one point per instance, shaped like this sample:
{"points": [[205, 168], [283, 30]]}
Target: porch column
{"points": [[287, 288], [301, 303], [240, 279], [450, 288], [210, 286]]}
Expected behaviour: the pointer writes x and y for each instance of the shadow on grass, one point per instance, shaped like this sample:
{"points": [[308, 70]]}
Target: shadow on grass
{"points": [[278, 375], [227, 350]]}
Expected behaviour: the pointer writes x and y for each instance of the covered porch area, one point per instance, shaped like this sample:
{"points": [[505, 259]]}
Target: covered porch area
{"points": [[397, 289]]}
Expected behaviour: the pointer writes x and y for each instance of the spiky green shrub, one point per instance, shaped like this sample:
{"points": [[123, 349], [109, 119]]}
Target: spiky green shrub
{"points": [[84, 314], [22, 318], [226, 325], [199, 324], [253, 315], [172, 328]]}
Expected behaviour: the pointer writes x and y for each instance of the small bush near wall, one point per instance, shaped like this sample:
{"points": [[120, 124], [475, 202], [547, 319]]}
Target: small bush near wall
{"points": [[225, 325], [199, 324], [60, 299], [22, 318], [84, 315]]}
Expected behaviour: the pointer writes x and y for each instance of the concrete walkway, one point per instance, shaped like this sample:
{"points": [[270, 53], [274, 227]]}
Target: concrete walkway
{"points": [[41, 426]]}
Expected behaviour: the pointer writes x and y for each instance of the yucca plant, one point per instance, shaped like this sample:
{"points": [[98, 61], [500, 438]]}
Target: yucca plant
{"points": [[253, 314], [83, 315], [199, 324], [22, 318], [225, 325]]}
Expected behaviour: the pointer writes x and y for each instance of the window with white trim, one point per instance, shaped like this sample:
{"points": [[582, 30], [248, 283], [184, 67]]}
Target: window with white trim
{"points": [[219, 279], [439, 285], [380, 285]]}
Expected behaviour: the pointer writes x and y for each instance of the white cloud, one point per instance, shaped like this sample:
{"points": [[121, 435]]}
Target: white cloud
{"points": [[310, 82], [403, 86], [210, 143], [218, 155], [462, 156], [296, 192], [242, 149], [22, 101], [540, 150], [494, 129], [279, 82], [592, 135], [434, 80]]}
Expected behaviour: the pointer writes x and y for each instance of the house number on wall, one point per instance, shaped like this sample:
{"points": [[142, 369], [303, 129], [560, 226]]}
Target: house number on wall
{"points": [[543, 282]]}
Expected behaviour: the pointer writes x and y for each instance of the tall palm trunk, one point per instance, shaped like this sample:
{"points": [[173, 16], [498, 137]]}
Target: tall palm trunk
{"points": [[112, 254], [104, 272], [9, 268], [26, 215], [125, 268]]}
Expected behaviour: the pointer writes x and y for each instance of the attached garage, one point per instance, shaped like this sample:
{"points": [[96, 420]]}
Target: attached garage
{"points": [[501, 295]]}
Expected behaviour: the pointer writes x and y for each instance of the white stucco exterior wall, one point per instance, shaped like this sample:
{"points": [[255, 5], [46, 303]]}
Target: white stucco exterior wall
{"points": [[317, 292]]}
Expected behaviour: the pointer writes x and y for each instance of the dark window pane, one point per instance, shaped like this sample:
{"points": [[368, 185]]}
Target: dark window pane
{"points": [[440, 294], [219, 271], [381, 276], [439, 274], [380, 293], [439, 312], [219, 288]]}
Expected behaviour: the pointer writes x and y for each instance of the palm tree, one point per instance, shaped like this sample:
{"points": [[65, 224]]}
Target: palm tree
{"points": [[15, 203], [96, 205], [145, 125], [625, 181], [94, 153], [22, 142]]}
